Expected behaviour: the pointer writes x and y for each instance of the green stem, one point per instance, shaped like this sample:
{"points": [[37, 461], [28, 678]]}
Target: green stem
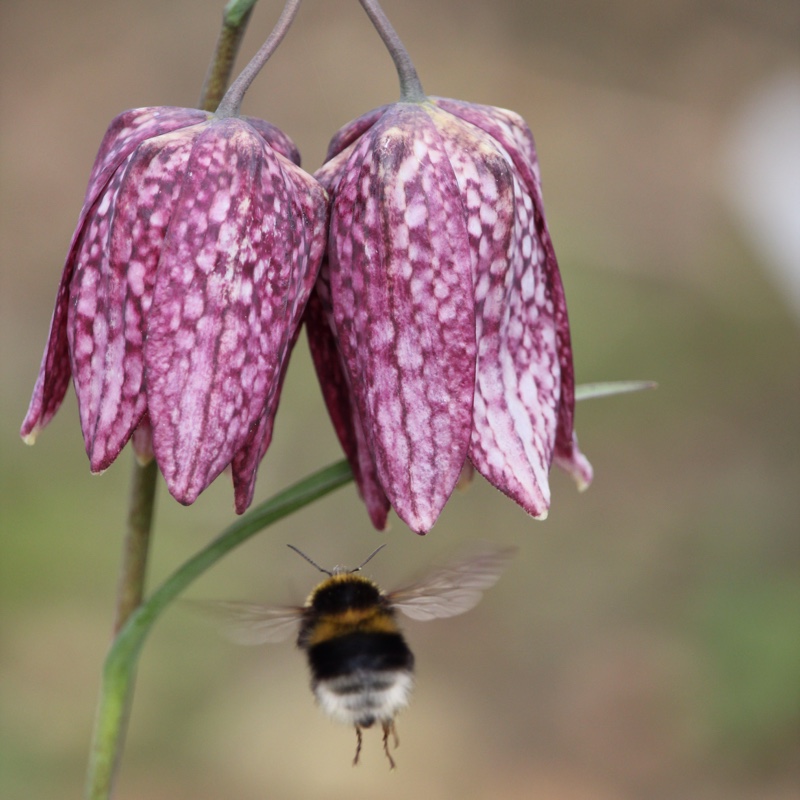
{"points": [[133, 570], [119, 669], [234, 23], [109, 731]]}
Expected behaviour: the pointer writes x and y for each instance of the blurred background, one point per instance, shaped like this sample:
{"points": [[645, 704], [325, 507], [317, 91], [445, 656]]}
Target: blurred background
{"points": [[646, 642]]}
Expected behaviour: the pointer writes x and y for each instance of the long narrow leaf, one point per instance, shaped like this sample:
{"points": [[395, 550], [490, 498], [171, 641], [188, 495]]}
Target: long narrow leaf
{"points": [[589, 391]]}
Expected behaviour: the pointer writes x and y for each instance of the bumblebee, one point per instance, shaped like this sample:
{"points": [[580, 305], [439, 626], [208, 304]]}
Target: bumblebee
{"points": [[362, 670]]}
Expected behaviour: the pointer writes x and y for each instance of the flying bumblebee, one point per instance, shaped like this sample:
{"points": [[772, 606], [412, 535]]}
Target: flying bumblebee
{"points": [[362, 670]]}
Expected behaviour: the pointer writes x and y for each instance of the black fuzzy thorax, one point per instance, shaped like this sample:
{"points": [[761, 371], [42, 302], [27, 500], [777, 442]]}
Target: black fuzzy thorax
{"points": [[343, 594]]}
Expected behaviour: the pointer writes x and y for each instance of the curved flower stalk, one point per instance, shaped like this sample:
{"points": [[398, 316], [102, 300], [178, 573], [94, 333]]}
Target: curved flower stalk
{"points": [[439, 326], [194, 255]]}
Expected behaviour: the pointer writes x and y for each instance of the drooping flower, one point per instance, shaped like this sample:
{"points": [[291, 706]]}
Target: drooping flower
{"points": [[195, 252], [438, 325]]}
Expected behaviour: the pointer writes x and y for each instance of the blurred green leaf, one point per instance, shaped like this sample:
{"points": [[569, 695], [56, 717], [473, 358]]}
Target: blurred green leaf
{"points": [[589, 391]]}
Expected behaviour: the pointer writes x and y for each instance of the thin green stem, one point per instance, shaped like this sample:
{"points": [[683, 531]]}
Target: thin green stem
{"points": [[133, 570], [232, 101], [410, 85], [109, 731], [234, 23]]}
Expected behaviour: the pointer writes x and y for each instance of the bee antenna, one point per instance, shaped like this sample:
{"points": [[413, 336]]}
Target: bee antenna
{"points": [[369, 557], [314, 563]]}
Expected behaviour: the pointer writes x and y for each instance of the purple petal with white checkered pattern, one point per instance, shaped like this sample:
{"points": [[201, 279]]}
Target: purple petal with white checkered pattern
{"points": [[123, 136], [194, 256], [401, 286], [446, 306]]}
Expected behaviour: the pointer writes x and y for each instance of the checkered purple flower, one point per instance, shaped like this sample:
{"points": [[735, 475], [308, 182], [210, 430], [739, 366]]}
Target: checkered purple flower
{"points": [[195, 252], [438, 325]]}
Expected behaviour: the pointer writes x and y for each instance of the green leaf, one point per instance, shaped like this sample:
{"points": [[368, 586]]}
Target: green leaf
{"points": [[119, 668], [588, 391]]}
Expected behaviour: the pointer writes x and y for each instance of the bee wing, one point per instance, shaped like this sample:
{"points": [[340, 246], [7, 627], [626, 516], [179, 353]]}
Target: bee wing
{"points": [[454, 588], [250, 623]]}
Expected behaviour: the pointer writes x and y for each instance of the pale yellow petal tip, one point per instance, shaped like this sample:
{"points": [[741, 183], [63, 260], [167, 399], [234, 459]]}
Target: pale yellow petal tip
{"points": [[543, 516], [30, 439], [583, 473], [578, 468]]}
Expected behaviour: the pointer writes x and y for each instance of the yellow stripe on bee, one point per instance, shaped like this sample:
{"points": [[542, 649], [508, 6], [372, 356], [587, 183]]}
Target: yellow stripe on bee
{"points": [[366, 620]]}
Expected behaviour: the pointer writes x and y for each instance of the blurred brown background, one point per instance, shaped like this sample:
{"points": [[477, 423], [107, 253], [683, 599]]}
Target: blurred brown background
{"points": [[646, 643]]}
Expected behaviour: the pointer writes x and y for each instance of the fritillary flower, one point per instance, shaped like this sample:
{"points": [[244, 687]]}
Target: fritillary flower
{"points": [[196, 249], [439, 326]]}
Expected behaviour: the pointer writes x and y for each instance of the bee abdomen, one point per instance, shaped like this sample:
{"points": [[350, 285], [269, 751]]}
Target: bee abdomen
{"points": [[359, 650], [362, 677]]}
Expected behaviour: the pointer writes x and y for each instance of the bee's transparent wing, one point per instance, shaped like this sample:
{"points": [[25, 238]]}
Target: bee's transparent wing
{"points": [[250, 623], [454, 588]]}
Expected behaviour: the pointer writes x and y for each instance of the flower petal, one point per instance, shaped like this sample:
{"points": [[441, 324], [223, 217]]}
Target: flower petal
{"points": [[335, 391], [244, 465], [234, 277], [127, 131], [275, 138], [123, 135], [506, 127], [402, 298], [514, 422], [305, 230], [297, 258], [519, 377], [345, 136], [569, 457], [206, 380], [112, 291], [54, 372], [514, 136]]}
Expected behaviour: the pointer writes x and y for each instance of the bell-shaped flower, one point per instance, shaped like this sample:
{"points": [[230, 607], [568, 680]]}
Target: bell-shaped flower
{"points": [[438, 326], [196, 249]]}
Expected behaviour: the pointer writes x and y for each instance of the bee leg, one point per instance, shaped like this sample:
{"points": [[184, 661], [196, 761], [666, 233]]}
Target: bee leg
{"points": [[358, 745], [388, 727]]}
